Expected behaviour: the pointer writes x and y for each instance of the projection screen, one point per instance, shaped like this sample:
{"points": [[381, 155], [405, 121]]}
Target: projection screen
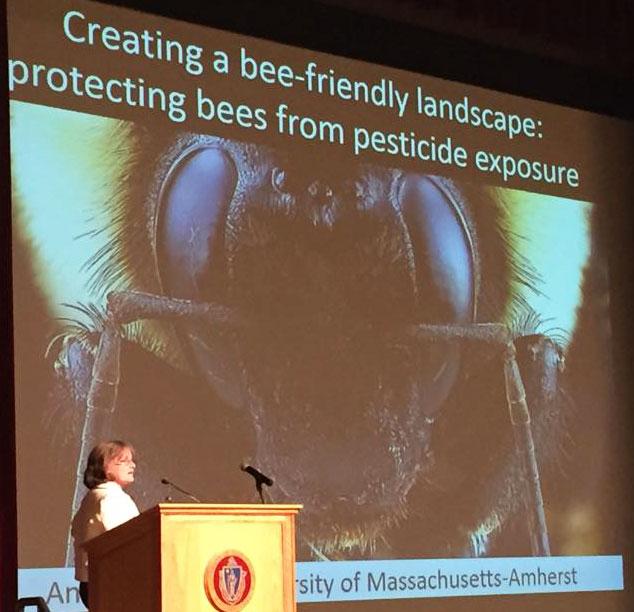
{"points": [[387, 291]]}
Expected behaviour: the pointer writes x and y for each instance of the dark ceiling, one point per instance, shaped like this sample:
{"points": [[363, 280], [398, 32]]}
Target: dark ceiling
{"points": [[597, 35]]}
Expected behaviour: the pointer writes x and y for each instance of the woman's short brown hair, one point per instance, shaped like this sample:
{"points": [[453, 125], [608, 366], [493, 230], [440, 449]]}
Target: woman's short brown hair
{"points": [[100, 455]]}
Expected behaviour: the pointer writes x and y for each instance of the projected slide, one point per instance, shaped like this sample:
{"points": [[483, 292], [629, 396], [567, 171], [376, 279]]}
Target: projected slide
{"points": [[385, 291]]}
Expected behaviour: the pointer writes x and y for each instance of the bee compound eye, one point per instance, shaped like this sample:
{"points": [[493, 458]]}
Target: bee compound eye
{"points": [[193, 205], [443, 251]]}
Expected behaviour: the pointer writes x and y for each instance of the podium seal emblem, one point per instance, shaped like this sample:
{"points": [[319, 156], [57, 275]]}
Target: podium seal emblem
{"points": [[229, 581]]}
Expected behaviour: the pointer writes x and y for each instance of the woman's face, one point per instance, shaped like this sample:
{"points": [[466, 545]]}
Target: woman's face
{"points": [[120, 468]]}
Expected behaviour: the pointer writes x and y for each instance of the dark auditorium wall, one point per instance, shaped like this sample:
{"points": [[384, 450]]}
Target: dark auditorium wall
{"points": [[577, 53], [8, 545], [596, 35]]}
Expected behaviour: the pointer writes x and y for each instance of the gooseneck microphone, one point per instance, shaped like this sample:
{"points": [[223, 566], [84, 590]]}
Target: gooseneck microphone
{"points": [[169, 483], [259, 476], [260, 479]]}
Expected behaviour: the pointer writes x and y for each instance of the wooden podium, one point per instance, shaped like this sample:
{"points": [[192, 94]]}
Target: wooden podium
{"points": [[197, 558]]}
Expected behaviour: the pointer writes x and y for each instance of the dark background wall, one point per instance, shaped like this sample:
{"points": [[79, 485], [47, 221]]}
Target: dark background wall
{"points": [[577, 53], [594, 35]]}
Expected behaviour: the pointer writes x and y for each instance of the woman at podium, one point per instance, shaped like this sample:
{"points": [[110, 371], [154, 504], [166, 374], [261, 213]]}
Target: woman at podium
{"points": [[110, 468]]}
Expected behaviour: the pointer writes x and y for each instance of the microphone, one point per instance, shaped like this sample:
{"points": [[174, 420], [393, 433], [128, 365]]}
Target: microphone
{"points": [[260, 478], [165, 481]]}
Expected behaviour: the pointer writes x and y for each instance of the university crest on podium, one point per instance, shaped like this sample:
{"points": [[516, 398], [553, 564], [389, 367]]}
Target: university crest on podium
{"points": [[229, 581]]}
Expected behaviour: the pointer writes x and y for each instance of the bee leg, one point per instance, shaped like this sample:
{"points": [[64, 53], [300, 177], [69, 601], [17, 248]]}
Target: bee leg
{"points": [[525, 446], [100, 401], [127, 307]]}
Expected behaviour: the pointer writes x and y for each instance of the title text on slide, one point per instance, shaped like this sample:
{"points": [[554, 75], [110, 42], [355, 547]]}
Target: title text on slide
{"points": [[417, 141]]}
